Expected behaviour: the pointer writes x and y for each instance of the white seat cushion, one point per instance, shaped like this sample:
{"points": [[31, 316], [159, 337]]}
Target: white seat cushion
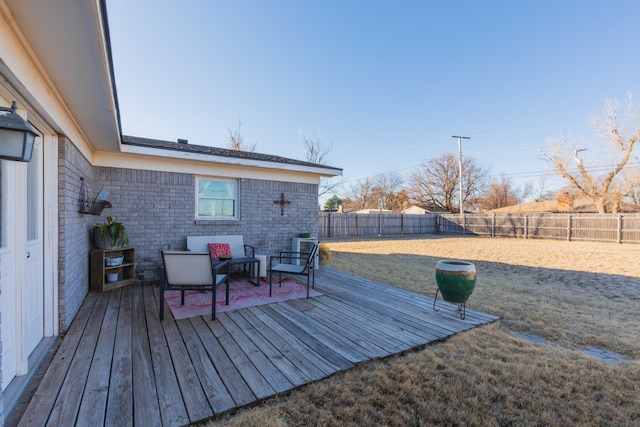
{"points": [[288, 268]]}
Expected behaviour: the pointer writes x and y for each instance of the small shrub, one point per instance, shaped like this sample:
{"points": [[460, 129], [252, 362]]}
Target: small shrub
{"points": [[324, 253]]}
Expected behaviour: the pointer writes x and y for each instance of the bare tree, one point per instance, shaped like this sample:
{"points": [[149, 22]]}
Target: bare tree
{"points": [[541, 192], [235, 140], [437, 182], [631, 177], [383, 191], [503, 192], [398, 201], [361, 195], [386, 188], [600, 182], [317, 151]]}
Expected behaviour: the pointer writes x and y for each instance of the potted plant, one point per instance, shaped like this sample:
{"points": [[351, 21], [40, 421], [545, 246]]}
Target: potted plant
{"points": [[110, 235]]}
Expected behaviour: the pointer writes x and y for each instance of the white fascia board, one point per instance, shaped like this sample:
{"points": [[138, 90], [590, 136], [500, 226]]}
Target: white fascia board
{"points": [[206, 167], [231, 161]]}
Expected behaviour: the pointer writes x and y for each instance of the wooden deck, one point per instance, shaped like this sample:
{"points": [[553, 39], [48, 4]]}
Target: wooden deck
{"points": [[119, 365]]}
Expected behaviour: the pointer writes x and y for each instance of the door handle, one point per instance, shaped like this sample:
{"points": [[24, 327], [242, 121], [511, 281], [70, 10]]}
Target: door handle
{"points": [[28, 254]]}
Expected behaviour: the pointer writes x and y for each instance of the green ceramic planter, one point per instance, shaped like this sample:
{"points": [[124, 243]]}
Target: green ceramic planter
{"points": [[456, 280]]}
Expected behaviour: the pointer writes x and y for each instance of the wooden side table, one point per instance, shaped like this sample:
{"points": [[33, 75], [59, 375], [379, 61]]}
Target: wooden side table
{"points": [[103, 276]]}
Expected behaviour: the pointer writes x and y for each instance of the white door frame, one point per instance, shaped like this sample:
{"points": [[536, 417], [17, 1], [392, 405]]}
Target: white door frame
{"points": [[50, 237]]}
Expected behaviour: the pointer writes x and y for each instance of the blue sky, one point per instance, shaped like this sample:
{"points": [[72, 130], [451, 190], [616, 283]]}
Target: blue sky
{"points": [[387, 83]]}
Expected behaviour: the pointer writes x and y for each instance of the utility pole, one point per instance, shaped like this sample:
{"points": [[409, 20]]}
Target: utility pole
{"points": [[460, 138]]}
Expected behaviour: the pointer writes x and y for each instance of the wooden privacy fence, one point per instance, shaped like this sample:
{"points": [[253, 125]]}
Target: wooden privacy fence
{"points": [[621, 228], [333, 224]]}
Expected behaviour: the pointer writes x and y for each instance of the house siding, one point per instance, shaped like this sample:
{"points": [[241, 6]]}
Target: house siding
{"points": [[158, 209], [74, 242]]}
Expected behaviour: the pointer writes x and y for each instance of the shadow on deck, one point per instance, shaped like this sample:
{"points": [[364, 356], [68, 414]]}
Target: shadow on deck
{"points": [[119, 365]]}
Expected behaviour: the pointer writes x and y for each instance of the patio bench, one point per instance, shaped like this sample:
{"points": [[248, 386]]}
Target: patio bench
{"points": [[236, 243], [242, 254]]}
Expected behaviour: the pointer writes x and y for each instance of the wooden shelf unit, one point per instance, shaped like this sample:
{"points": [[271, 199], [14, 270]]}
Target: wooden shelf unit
{"points": [[98, 269]]}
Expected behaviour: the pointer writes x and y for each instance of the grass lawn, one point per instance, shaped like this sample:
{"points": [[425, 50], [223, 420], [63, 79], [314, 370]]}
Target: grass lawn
{"points": [[574, 295]]}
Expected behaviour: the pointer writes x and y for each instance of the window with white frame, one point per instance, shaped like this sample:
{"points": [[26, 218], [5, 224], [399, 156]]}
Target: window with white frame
{"points": [[216, 198]]}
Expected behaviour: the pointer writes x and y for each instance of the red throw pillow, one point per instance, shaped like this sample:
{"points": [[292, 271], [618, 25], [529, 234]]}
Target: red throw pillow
{"points": [[217, 249]]}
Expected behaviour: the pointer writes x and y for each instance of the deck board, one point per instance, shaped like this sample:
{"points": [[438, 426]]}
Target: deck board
{"points": [[120, 365], [146, 408], [265, 368], [293, 343], [216, 393], [229, 374], [65, 409], [94, 401], [172, 411], [270, 353], [120, 399], [303, 371], [39, 409]]}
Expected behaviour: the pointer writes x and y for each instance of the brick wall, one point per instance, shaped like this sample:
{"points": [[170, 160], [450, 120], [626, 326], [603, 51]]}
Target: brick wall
{"points": [[74, 229], [158, 209]]}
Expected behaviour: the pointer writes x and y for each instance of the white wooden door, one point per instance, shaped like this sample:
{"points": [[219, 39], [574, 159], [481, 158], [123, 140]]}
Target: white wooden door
{"points": [[21, 262], [8, 276]]}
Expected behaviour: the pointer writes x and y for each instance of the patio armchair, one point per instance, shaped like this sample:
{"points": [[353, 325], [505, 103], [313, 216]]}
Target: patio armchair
{"points": [[298, 263], [186, 270]]}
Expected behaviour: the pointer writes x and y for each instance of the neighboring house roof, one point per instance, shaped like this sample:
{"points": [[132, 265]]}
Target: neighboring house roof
{"points": [[577, 205], [223, 155], [530, 207], [372, 211], [423, 209]]}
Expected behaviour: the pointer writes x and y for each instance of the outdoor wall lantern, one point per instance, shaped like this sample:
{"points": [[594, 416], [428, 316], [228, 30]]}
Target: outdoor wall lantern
{"points": [[16, 135]]}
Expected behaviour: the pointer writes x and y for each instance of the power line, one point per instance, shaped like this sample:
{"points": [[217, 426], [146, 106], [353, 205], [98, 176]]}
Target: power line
{"points": [[527, 174]]}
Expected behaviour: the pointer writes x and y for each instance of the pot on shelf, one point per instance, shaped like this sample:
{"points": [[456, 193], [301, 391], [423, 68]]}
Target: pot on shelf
{"points": [[110, 235], [100, 243]]}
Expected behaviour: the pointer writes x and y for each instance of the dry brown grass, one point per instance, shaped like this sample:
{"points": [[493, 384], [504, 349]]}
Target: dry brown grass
{"points": [[573, 294]]}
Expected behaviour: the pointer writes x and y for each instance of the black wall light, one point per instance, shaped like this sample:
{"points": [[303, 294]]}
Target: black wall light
{"points": [[16, 135]]}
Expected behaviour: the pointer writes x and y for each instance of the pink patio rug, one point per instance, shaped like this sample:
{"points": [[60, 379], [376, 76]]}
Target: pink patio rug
{"points": [[242, 294]]}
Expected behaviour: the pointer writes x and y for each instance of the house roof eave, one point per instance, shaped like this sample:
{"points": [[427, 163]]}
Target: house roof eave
{"points": [[73, 51], [189, 152]]}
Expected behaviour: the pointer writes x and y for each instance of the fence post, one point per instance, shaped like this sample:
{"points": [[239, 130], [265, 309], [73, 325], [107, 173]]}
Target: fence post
{"points": [[526, 226], [493, 225], [329, 224], [464, 225], [357, 229], [569, 228], [619, 228]]}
